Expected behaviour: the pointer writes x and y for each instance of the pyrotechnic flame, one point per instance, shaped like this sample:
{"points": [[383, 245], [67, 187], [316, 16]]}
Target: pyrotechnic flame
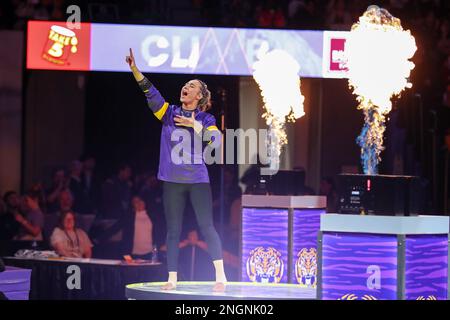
{"points": [[276, 73], [378, 52]]}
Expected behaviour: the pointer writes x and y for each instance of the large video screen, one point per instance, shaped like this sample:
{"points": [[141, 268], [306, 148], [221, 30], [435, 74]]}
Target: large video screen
{"points": [[185, 50]]}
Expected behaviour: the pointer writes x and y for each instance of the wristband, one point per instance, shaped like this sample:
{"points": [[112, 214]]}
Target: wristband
{"points": [[145, 84]]}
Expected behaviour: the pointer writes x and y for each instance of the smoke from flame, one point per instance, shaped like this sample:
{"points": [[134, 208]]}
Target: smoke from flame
{"points": [[378, 52], [276, 73]]}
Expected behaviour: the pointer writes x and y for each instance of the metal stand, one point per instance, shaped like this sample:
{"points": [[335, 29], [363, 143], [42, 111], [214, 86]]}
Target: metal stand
{"points": [[447, 152], [193, 254], [223, 97]]}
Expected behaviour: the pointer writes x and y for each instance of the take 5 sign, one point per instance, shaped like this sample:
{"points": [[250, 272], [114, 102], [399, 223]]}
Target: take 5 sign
{"points": [[51, 45]]}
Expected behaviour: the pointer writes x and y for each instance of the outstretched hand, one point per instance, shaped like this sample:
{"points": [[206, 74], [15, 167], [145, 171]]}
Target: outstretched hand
{"points": [[130, 59]]}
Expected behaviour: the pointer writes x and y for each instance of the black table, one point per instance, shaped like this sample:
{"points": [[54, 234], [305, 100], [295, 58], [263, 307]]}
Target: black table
{"points": [[99, 279]]}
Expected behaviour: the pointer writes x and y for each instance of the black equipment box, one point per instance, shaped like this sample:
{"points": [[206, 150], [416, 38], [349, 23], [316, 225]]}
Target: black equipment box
{"points": [[380, 194]]}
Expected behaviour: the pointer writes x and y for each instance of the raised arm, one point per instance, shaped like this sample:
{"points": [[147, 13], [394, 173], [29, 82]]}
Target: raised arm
{"points": [[132, 63], [154, 99]]}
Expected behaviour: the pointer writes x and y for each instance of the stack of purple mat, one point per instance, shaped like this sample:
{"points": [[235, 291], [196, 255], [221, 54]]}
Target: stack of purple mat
{"points": [[15, 283]]}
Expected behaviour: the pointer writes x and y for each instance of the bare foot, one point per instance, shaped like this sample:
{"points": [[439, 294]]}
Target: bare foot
{"points": [[219, 287], [168, 286]]}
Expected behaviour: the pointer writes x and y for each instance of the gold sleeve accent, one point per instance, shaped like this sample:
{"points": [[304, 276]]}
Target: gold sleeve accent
{"points": [[161, 112], [211, 128]]}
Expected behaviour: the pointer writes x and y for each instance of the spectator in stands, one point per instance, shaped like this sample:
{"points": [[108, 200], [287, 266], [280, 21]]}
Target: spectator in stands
{"points": [[43, 10], [90, 182], [7, 16], [24, 10], [444, 38], [271, 15], [70, 241], [327, 188], [65, 204], [251, 179], [151, 193], [357, 7], [137, 231], [194, 259], [305, 15], [142, 234], [36, 192], [116, 193], [139, 181], [81, 199], [446, 79], [103, 12], [60, 183], [31, 220], [338, 17], [239, 14], [234, 224], [432, 22], [232, 191], [2, 207], [9, 226], [11, 201], [58, 10], [293, 7]]}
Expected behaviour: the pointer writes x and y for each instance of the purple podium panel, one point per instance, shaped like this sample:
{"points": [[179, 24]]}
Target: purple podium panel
{"points": [[264, 245], [359, 267], [383, 257], [426, 267], [15, 283], [306, 225]]}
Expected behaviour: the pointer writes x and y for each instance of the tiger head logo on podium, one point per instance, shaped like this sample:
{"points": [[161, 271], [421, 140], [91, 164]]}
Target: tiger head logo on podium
{"points": [[265, 265], [426, 298], [351, 296], [306, 268]]}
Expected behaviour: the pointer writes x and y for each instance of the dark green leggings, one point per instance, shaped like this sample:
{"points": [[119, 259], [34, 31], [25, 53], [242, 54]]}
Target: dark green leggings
{"points": [[174, 197]]}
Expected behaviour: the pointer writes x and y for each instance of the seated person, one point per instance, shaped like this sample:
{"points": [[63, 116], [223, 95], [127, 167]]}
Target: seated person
{"points": [[2, 207], [328, 189], [60, 184], [65, 204], [9, 226], [194, 259], [137, 230], [70, 241], [31, 220]]}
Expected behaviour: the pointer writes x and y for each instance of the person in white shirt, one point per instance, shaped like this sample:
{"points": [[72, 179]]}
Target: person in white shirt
{"points": [[143, 229], [137, 231], [70, 241]]}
